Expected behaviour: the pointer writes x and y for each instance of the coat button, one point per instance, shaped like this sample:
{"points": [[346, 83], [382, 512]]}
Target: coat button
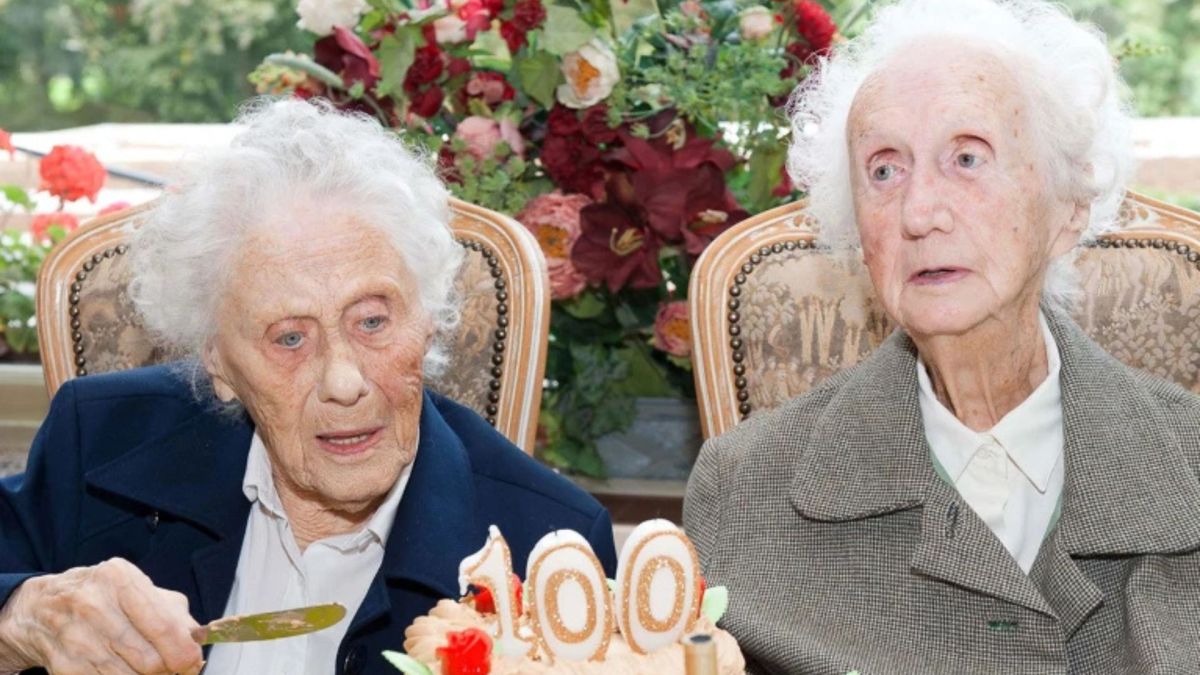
{"points": [[152, 521], [354, 660]]}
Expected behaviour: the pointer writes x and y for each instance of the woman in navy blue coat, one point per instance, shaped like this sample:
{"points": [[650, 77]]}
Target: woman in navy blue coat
{"points": [[297, 458]]}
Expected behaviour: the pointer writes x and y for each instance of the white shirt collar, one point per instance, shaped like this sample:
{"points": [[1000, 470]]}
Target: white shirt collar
{"points": [[258, 485], [1021, 433]]}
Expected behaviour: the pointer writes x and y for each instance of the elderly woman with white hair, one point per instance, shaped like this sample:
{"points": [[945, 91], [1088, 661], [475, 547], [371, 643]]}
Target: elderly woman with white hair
{"points": [[989, 491], [297, 458]]}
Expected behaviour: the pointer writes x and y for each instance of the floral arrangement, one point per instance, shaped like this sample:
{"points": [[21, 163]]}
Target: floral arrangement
{"points": [[625, 134], [68, 173]]}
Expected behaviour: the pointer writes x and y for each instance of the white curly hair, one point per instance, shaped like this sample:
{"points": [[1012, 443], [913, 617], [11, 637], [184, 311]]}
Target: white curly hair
{"points": [[181, 254], [1078, 110]]}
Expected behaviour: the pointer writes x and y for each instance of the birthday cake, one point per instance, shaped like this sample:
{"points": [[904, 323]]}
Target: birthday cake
{"points": [[567, 618]]}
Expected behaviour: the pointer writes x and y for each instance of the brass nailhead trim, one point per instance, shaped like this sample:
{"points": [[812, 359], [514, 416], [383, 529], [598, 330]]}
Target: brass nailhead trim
{"points": [[500, 334], [734, 318], [77, 346]]}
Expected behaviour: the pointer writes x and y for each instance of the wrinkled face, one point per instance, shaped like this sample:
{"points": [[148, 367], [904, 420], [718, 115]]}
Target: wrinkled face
{"points": [[321, 337], [956, 214]]}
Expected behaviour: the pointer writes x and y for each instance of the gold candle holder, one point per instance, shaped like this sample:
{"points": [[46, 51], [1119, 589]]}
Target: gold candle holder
{"points": [[700, 654]]}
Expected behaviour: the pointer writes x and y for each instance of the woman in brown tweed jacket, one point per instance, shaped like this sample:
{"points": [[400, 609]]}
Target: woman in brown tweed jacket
{"points": [[989, 492]]}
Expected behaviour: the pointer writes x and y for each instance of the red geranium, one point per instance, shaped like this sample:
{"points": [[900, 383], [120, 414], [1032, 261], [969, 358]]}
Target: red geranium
{"points": [[6, 143], [40, 227], [344, 53], [467, 652], [70, 172], [816, 29]]}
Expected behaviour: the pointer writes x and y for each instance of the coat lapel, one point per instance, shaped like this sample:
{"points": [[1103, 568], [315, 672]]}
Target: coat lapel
{"points": [[194, 473], [1129, 488], [868, 457], [435, 526]]}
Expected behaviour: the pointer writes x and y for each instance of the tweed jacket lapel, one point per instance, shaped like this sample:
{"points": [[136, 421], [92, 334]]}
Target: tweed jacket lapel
{"points": [[1129, 488], [868, 457]]}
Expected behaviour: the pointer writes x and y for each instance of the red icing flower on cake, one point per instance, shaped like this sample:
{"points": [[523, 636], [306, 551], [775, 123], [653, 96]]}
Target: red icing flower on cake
{"points": [[480, 597], [467, 652]]}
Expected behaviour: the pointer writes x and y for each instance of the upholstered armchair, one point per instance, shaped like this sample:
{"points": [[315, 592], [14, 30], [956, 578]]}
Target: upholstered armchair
{"points": [[774, 312], [87, 323]]}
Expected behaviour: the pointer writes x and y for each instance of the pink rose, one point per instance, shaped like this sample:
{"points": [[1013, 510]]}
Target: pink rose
{"points": [[672, 332], [113, 208], [756, 23], [566, 282], [482, 134], [450, 30], [554, 219]]}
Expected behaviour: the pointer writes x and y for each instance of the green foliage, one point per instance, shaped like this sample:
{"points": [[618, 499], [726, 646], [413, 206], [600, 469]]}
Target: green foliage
{"points": [[19, 263], [77, 62]]}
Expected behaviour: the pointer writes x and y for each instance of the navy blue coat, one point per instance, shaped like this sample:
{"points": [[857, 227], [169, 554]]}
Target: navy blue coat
{"points": [[131, 465]]}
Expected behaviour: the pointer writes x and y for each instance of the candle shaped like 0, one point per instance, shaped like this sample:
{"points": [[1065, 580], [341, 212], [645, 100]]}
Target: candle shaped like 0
{"points": [[569, 601], [491, 567], [658, 586]]}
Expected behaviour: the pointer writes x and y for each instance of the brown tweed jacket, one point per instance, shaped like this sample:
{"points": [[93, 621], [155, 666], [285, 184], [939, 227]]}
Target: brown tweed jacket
{"points": [[843, 550]]}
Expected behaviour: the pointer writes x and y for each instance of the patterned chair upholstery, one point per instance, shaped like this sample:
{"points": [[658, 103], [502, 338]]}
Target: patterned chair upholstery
{"points": [[773, 313], [87, 323]]}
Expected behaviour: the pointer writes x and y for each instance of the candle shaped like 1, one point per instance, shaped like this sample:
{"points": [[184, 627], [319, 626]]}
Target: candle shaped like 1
{"points": [[491, 567], [658, 589]]}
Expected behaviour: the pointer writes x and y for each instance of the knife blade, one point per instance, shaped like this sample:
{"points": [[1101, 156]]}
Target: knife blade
{"points": [[269, 625]]}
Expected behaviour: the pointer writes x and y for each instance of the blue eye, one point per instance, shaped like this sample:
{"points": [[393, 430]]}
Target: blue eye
{"points": [[967, 160], [290, 340], [373, 323], [883, 172]]}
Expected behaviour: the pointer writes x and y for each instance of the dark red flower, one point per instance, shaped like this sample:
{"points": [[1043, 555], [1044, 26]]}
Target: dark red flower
{"points": [[344, 53], [69, 172], [527, 15], [562, 121], [458, 66], [595, 125], [572, 163], [616, 245], [467, 652], [427, 103], [678, 178], [427, 67]]}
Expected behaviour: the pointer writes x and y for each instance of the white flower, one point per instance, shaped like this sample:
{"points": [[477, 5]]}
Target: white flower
{"points": [[450, 30], [756, 23], [591, 74], [320, 16]]}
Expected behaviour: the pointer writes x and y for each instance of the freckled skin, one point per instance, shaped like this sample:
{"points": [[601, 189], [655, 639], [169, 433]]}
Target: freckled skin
{"points": [[321, 331], [942, 177]]}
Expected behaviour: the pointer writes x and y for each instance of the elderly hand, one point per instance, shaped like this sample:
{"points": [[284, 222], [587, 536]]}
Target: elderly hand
{"points": [[109, 618]]}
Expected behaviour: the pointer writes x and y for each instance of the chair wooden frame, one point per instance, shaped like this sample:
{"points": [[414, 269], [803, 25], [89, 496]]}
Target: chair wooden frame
{"points": [[722, 269], [522, 304]]}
